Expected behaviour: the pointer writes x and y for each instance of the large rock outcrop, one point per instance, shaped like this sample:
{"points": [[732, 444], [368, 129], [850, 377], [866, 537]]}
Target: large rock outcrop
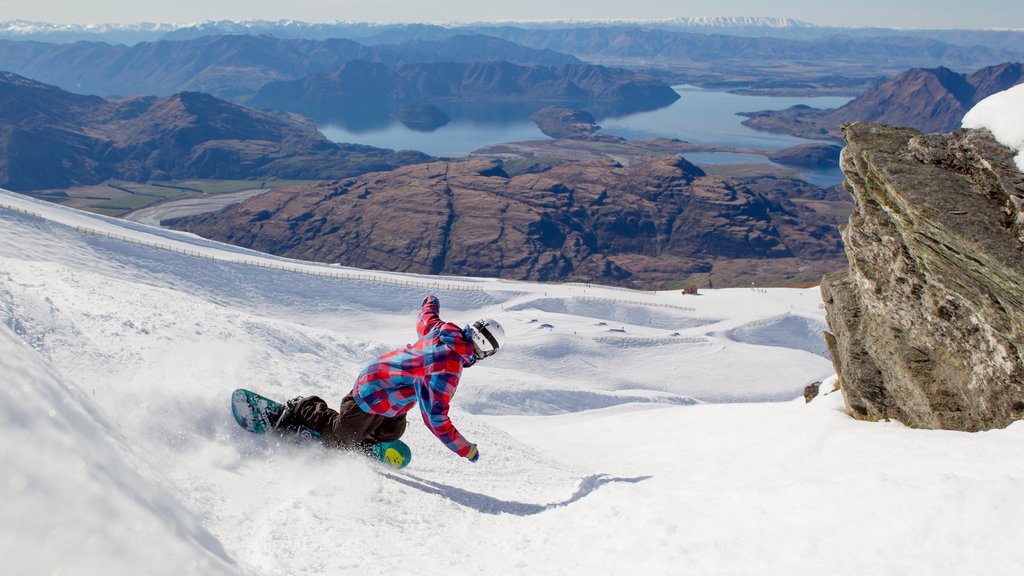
{"points": [[927, 324]]}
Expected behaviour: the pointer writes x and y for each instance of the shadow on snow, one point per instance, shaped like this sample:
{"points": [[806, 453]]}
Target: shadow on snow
{"points": [[490, 505]]}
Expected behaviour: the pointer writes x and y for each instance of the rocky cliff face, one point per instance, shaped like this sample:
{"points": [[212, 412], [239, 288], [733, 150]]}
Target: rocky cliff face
{"points": [[927, 325]]}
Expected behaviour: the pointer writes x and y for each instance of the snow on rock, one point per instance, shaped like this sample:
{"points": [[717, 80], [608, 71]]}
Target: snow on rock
{"points": [[1003, 114]]}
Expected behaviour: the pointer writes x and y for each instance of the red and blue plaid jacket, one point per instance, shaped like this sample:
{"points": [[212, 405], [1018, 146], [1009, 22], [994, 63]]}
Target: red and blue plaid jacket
{"points": [[427, 371]]}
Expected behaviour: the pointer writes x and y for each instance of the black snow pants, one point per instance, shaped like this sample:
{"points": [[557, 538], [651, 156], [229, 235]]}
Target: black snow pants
{"points": [[349, 427]]}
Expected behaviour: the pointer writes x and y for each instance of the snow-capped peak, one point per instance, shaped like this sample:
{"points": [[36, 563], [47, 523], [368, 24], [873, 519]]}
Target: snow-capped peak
{"points": [[737, 22]]}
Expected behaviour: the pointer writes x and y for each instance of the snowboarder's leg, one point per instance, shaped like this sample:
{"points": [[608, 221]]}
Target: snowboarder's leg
{"points": [[355, 428], [349, 427], [310, 412], [389, 429]]}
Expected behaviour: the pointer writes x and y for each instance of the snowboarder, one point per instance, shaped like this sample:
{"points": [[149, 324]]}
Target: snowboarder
{"points": [[426, 372]]}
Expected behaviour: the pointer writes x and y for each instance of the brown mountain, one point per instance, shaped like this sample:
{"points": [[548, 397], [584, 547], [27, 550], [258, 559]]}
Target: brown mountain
{"points": [[927, 99], [639, 225], [374, 86], [931, 100], [50, 138]]}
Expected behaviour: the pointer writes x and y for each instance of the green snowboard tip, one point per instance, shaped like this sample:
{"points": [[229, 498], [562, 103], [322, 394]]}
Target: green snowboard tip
{"points": [[395, 453]]}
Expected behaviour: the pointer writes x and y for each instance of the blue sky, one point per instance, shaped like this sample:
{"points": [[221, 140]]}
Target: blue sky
{"points": [[885, 13]]}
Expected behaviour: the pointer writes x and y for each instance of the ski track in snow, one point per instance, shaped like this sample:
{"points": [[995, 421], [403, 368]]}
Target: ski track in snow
{"points": [[619, 432]]}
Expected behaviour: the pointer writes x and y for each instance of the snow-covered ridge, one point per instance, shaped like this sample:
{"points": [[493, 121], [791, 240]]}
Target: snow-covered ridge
{"points": [[149, 31], [26, 27], [738, 22]]}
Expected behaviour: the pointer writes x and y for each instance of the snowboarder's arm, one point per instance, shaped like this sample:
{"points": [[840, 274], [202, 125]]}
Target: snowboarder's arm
{"points": [[428, 315], [433, 398]]}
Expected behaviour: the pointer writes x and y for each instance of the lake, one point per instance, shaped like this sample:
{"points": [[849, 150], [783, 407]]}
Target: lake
{"points": [[699, 116]]}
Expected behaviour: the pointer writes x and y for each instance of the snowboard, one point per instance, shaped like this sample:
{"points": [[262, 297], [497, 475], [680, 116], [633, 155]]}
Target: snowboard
{"points": [[257, 413]]}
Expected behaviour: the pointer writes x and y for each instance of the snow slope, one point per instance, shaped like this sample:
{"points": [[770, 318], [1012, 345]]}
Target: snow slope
{"points": [[619, 431]]}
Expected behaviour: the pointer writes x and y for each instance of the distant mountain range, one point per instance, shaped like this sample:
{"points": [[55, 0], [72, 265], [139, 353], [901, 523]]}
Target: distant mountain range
{"points": [[738, 26], [927, 99], [674, 48], [714, 51], [50, 138], [234, 67]]}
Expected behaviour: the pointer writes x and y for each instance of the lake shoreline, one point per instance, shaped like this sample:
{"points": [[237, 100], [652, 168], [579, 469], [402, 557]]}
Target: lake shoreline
{"points": [[700, 121]]}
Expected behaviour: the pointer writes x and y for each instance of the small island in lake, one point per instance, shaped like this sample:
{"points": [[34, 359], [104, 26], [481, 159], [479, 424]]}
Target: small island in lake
{"points": [[422, 117], [569, 124]]}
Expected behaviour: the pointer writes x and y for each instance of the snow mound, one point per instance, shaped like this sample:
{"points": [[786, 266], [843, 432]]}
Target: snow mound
{"points": [[1003, 114], [787, 331], [75, 488]]}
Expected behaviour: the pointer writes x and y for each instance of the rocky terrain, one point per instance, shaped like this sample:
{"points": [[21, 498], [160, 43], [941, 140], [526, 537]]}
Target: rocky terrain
{"points": [[652, 222], [930, 100], [926, 325], [50, 138]]}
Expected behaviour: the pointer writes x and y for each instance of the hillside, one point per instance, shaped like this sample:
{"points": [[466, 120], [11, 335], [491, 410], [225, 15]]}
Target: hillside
{"points": [[930, 100], [51, 138], [374, 87], [640, 225], [680, 418], [234, 67]]}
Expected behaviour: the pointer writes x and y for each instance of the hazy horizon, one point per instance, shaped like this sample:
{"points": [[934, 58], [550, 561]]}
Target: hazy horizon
{"points": [[938, 14]]}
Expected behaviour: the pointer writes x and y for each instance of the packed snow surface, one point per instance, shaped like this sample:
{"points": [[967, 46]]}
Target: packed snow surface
{"points": [[1003, 114], [620, 432]]}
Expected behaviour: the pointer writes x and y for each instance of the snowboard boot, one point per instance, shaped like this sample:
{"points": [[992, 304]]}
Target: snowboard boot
{"points": [[307, 434], [286, 420]]}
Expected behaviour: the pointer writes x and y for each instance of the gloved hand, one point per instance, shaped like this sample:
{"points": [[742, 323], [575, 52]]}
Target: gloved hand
{"points": [[473, 453]]}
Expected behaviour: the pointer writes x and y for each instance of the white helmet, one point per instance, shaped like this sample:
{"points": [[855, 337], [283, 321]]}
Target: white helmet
{"points": [[487, 336]]}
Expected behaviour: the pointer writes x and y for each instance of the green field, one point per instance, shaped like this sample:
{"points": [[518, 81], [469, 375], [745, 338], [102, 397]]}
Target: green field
{"points": [[117, 198]]}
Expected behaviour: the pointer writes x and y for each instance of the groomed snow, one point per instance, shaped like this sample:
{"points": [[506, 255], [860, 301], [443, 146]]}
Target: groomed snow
{"points": [[620, 432], [1003, 114]]}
